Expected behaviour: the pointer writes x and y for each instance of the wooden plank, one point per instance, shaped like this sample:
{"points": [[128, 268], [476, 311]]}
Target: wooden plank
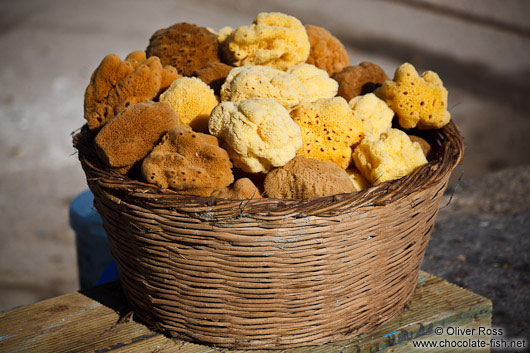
{"points": [[90, 322]]}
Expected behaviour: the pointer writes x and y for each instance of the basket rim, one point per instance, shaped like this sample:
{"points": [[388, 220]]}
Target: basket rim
{"points": [[447, 145]]}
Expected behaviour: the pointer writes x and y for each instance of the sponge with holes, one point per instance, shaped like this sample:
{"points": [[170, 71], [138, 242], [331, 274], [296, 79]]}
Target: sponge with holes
{"points": [[418, 101], [258, 133], [192, 100], [185, 46], [391, 157], [189, 162], [329, 129]]}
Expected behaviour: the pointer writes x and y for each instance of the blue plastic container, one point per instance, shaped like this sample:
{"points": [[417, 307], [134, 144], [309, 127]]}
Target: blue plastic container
{"points": [[95, 263]]}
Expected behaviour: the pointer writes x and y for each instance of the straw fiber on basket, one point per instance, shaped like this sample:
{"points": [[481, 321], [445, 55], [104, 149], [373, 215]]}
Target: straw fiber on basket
{"points": [[271, 273]]}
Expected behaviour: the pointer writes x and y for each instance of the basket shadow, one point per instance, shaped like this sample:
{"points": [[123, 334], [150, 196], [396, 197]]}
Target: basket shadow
{"points": [[110, 295]]}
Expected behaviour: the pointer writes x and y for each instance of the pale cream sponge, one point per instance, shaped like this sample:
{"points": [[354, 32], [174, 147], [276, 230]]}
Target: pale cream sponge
{"points": [[316, 81], [258, 133], [192, 100], [265, 82], [374, 109], [391, 157], [274, 39]]}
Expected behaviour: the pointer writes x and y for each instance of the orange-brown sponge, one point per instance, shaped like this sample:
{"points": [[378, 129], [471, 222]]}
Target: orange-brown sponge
{"points": [[214, 75], [117, 84], [133, 133], [418, 101], [303, 178], [184, 46], [169, 74], [361, 79], [242, 189], [189, 162], [327, 52]]}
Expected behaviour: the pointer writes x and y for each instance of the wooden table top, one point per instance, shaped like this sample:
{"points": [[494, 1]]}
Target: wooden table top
{"points": [[99, 320]]}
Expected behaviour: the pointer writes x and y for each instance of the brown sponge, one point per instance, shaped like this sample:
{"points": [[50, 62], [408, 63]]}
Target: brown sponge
{"points": [[304, 178], [134, 132], [185, 46], [214, 75], [117, 84], [327, 52], [189, 162], [361, 79], [242, 189], [169, 74]]}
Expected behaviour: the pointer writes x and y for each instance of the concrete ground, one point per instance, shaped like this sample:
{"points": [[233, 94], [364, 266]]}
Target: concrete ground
{"points": [[479, 48]]}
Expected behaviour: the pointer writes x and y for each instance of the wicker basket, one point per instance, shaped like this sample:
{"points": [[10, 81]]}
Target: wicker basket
{"points": [[270, 273]]}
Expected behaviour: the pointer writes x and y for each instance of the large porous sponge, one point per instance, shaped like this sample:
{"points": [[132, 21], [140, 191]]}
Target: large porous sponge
{"points": [[192, 100], [214, 75], [304, 178], [418, 101], [258, 133], [184, 46], [265, 82], [189, 162], [360, 79], [117, 84], [274, 39], [391, 157], [327, 52], [315, 80], [133, 133], [376, 110], [329, 129], [242, 189]]}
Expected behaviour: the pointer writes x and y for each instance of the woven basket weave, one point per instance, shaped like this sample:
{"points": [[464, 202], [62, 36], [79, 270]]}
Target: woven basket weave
{"points": [[270, 273]]}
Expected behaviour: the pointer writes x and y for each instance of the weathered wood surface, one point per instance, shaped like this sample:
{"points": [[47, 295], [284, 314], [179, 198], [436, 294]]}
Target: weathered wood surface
{"points": [[97, 321]]}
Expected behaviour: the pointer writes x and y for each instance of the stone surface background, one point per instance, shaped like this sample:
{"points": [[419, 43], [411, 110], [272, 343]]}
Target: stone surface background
{"points": [[480, 48]]}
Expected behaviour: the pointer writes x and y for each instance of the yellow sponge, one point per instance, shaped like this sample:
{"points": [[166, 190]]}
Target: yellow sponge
{"points": [[258, 133], [264, 82], [329, 129], [376, 110], [192, 100], [418, 101], [358, 180], [316, 81], [391, 157], [274, 39]]}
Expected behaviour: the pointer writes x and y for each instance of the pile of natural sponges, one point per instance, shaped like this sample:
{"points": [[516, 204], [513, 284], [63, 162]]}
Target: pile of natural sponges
{"points": [[272, 109]]}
